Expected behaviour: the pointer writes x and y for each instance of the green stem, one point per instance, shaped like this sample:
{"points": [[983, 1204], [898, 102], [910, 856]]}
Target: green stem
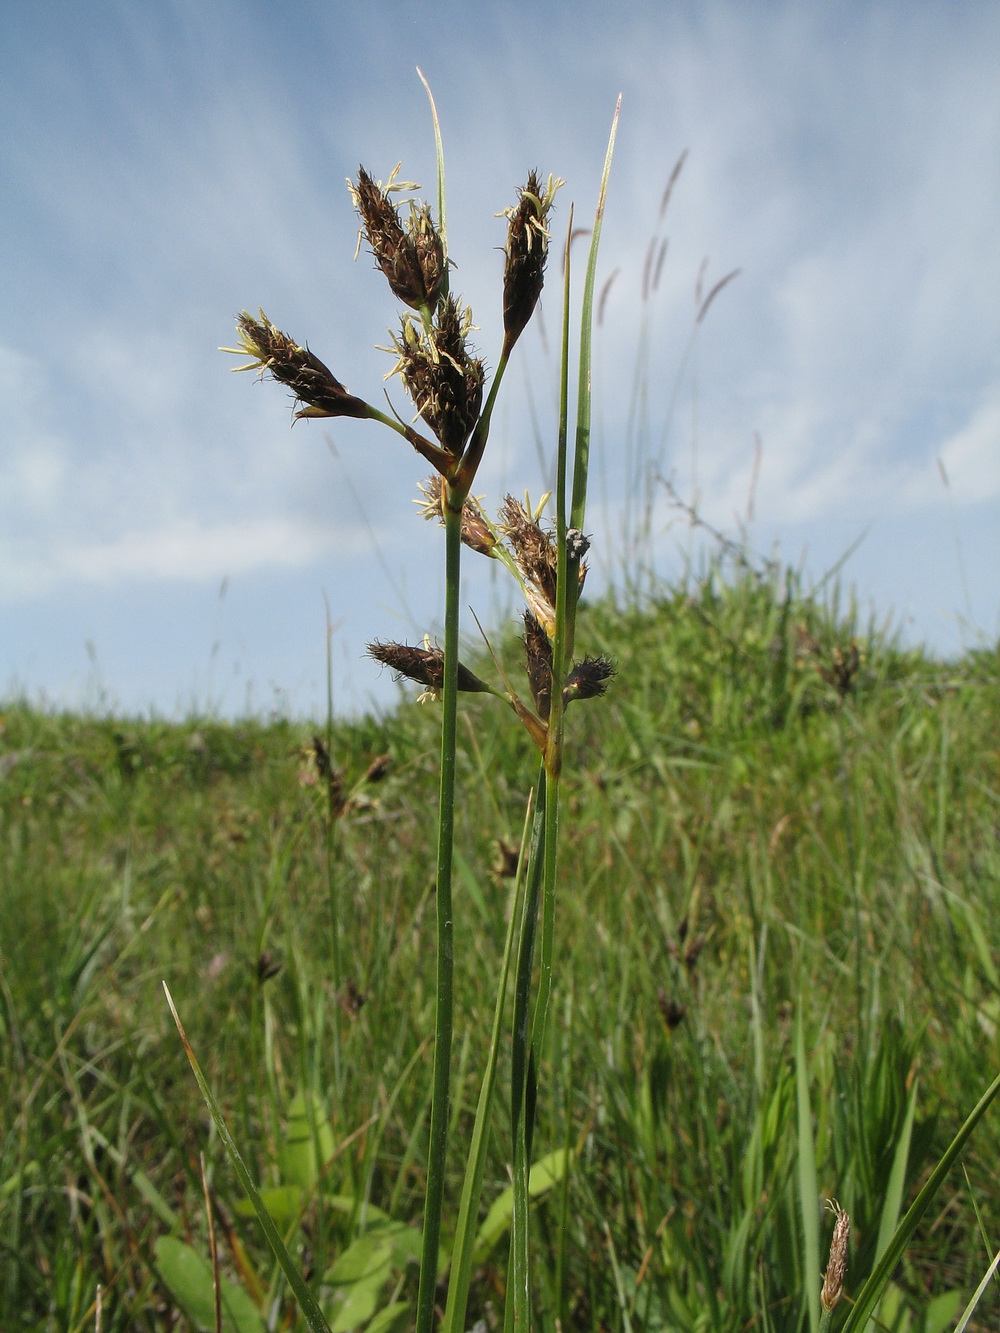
{"points": [[437, 1151], [518, 1307], [561, 650]]}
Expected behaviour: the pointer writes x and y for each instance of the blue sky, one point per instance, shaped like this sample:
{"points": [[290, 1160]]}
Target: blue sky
{"points": [[167, 542]]}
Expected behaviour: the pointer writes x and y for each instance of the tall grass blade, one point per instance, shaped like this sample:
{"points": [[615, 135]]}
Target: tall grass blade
{"points": [[582, 458], [307, 1302], [977, 1295], [808, 1186], [878, 1280]]}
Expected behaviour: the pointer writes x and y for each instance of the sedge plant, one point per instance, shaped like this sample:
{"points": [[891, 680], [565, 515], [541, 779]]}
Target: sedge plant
{"points": [[454, 397]]}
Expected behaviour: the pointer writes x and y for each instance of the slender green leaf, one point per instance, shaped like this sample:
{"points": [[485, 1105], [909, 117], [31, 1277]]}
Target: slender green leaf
{"points": [[882, 1272], [808, 1187], [307, 1302], [977, 1295]]}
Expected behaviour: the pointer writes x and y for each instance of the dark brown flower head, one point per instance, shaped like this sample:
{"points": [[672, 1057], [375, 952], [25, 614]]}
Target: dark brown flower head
{"points": [[332, 778], [274, 353], [411, 257], [526, 250], [671, 1011], [267, 966], [379, 768], [476, 532], [441, 376], [425, 666], [588, 679], [538, 664], [507, 859]]}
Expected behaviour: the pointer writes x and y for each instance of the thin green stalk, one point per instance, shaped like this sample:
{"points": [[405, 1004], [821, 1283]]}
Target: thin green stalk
{"points": [[561, 648], [518, 1307], [582, 460], [443, 1013], [465, 1233], [307, 1302]]}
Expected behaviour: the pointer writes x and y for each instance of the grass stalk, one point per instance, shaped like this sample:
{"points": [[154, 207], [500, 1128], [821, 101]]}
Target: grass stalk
{"points": [[444, 1000]]}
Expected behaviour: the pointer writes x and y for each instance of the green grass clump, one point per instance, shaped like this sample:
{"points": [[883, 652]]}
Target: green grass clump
{"points": [[779, 878]]}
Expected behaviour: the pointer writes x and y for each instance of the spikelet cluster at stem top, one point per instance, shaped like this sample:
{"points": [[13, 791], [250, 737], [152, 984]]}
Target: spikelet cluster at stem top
{"points": [[411, 257], [526, 251]]}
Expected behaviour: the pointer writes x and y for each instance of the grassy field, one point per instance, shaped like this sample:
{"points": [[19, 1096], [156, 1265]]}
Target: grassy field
{"points": [[780, 879]]}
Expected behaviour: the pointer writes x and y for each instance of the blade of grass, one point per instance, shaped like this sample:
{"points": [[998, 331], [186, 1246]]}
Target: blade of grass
{"points": [[808, 1187], [970, 1309], [879, 1278], [307, 1302]]}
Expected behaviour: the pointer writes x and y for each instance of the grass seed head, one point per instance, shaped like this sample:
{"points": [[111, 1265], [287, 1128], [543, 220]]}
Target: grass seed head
{"points": [[441, 375], [276, 354], [534, 554], [833, 1279], [588, 679], [411, 257], [476, 532], [526, 249], [425, 666]]}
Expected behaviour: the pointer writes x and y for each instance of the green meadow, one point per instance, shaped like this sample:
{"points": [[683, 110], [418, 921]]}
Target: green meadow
{"points": [[777, 982]]}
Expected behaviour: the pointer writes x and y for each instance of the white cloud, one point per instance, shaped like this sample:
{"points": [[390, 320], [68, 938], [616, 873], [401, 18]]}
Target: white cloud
{"points": [[183, 551], [970, 457]]}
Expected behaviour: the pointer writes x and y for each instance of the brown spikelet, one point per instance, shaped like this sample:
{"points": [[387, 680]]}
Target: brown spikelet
{"points": [[331, 777], [538, 664], [588, 679], [379, 768], [534, 554], [476, 532], [411, 257], [276, 354], [440, 374], [526, 250], [425, 666], [833, 1278]]}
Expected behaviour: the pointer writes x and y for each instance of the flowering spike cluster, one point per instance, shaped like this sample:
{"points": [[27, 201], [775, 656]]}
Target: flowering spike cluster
{"points": [[588, 679], [445, 380], [534, 555], [274, 353], [411, 257], [441, 376], [526, 249], [425, 666]]}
